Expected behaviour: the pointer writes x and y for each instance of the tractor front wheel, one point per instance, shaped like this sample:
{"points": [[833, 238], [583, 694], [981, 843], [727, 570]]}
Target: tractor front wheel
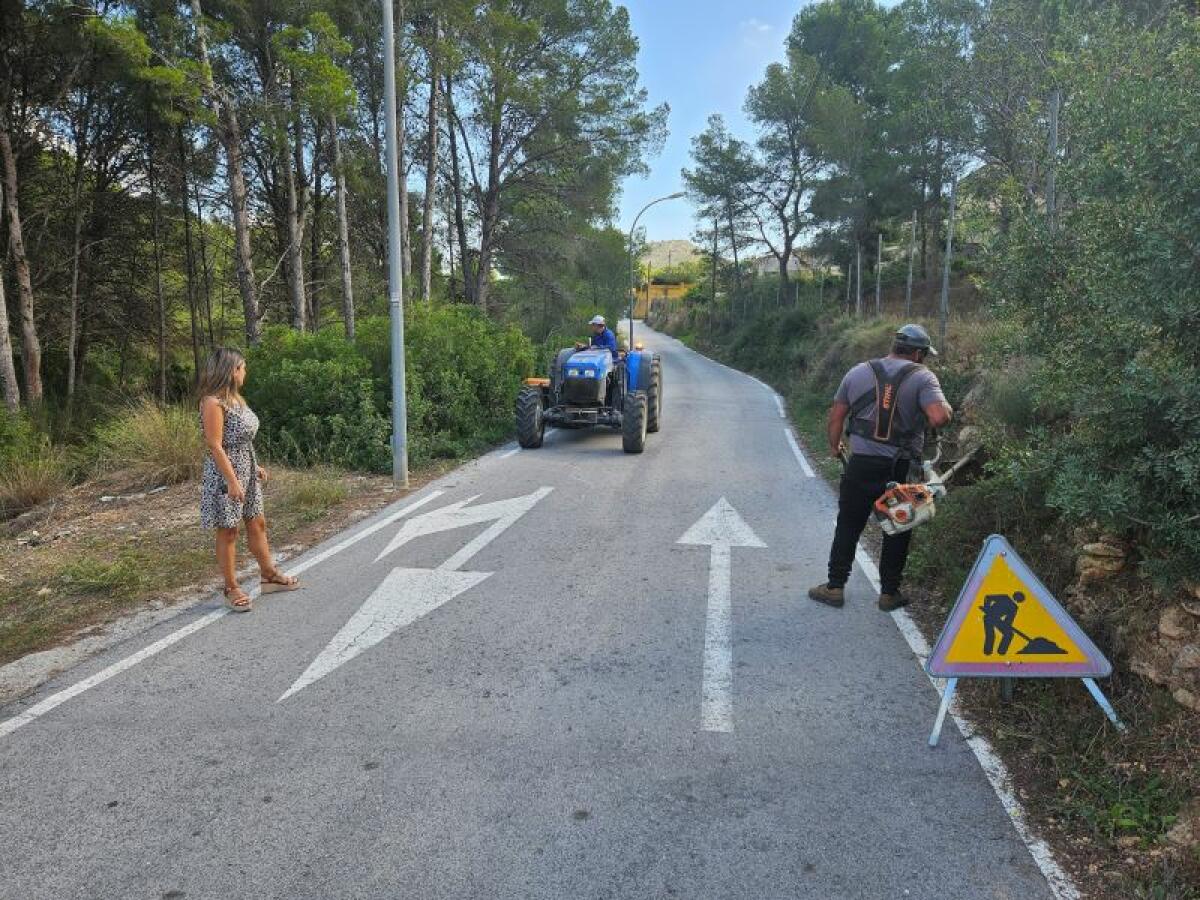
{"points": [[633, 424], [531, 427], [654, 399]]}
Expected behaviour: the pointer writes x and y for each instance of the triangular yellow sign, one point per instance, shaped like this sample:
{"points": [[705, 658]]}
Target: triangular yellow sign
{"points": [[1006, 623]]}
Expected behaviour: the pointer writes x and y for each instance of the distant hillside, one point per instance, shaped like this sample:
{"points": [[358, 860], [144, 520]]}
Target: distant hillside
{"points": [[660, 254]]}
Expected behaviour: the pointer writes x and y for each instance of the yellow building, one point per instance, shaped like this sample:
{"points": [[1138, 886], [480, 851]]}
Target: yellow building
{"points": [[651, 294]]}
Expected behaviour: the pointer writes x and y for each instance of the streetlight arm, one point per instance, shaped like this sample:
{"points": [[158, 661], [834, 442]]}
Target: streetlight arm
{"points": [[632, 229]]}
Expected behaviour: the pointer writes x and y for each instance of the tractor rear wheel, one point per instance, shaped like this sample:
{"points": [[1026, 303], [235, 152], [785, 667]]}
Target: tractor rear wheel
{"points": [[633, 424], [655, 397], [531, 427]]}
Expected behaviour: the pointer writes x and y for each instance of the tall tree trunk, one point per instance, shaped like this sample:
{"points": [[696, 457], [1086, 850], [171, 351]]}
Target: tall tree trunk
{"points": [[241, 225], [456, 186], [205, 268], [295, 252], [8, 373], [343, 232], [97, 225], [314, 253], [189, 252], [230, 134], [923, 230], [935, 200], [737, 269], [781, 290], [431, 166], [451, 292], [160, 296], [31, 347], [490, 214], [76, 255]]}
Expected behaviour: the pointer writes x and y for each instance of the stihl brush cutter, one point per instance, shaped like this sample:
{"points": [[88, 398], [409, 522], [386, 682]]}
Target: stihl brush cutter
{"points": [[903, 507]]}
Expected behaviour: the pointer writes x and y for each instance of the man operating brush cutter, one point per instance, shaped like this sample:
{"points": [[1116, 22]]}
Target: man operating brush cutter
{"points": [[886, 405]]}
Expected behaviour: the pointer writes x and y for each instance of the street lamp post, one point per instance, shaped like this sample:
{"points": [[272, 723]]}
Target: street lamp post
{"points": [[395, 272], [632, 286]]}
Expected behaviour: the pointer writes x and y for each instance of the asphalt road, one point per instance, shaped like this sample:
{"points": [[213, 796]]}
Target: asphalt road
{"points": [[539, 699]]}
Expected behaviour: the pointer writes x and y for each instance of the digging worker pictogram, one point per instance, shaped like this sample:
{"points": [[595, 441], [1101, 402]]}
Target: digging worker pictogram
{"points": [[888, 403], [999, 611]]}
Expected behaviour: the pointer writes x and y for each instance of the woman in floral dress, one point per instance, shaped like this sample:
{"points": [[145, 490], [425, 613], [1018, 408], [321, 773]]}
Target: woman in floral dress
{"points": [[231, 487]]}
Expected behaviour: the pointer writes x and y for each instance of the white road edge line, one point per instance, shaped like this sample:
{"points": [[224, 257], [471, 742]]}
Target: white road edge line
{"points": [[8, 726], [1061, 884], [799, 454], [507, 453], [779, 405]]}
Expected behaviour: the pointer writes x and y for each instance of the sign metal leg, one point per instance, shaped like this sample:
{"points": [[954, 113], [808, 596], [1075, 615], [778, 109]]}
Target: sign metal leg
{"points": [[947, 696], [1098, 696]]}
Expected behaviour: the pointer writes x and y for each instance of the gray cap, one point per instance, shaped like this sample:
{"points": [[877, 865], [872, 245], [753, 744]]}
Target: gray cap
{"points": [[916, 338], [597, 320]]}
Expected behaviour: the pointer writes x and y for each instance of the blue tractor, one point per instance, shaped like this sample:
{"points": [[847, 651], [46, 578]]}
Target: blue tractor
{"points": [[590, 387]]}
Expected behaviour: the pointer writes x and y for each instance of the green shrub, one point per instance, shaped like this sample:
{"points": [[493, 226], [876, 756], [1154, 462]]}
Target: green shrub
{"points": [[1010, 400], [463, 372], [316, 401], [323, 400], [152, 444], [1107, 300]]}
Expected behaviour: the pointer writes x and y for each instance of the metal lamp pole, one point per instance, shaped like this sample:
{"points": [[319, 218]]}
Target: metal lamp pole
{"points": [[632, 228], [395, 272]]}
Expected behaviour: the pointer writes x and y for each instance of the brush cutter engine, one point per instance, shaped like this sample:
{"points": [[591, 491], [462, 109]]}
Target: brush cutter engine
{"points": [[905, 506]]}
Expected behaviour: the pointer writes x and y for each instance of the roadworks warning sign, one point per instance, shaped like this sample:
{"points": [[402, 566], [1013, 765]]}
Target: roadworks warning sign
{"points": [[1006, 623]]}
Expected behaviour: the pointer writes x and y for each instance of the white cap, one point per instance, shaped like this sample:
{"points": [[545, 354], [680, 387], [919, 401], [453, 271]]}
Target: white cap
{"points": [[597, 320]]}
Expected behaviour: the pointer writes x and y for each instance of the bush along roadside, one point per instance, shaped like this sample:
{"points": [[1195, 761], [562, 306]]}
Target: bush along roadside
{"points": [[1123, 810], [322, 399]]}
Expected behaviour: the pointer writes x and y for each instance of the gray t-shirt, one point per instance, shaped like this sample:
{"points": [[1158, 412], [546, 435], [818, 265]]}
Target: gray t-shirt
{"points": [[919, 390]]}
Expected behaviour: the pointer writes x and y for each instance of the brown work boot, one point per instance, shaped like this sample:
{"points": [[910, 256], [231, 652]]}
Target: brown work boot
{"points": [[830, 596], [892, 602]]}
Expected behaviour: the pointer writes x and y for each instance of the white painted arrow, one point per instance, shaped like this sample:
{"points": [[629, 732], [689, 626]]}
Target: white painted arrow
{"points": [[721, 529], [459, 515], [406, 595]]}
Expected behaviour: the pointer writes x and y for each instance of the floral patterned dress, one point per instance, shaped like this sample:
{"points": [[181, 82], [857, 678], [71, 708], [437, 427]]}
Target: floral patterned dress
{"points": [[217, 510]]}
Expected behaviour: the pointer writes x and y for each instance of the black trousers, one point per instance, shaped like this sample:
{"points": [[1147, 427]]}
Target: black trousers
{"points": [[863, 482]]}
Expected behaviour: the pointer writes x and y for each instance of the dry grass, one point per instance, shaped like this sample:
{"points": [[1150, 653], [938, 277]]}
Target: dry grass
{"points": [[151, 444], [29, 480], [91, 560]]}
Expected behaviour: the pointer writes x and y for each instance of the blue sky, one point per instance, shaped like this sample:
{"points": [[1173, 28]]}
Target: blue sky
{"points": [[700, 56]]}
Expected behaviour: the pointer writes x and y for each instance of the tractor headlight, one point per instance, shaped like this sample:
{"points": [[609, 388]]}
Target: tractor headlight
{"points": [[572, 373]]}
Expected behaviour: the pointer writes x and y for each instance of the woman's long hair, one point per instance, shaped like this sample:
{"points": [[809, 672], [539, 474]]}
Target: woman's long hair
{"points": [[217, 378]]}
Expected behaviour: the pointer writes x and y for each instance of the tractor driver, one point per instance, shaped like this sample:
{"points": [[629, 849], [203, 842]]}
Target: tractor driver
{"points": [[602, 337]]}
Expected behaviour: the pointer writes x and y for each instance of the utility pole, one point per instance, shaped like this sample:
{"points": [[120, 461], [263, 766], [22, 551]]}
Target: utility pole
{"points": [[912, 252], [945, 314], [395, 269], [878, 275], [1052, 160]]}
